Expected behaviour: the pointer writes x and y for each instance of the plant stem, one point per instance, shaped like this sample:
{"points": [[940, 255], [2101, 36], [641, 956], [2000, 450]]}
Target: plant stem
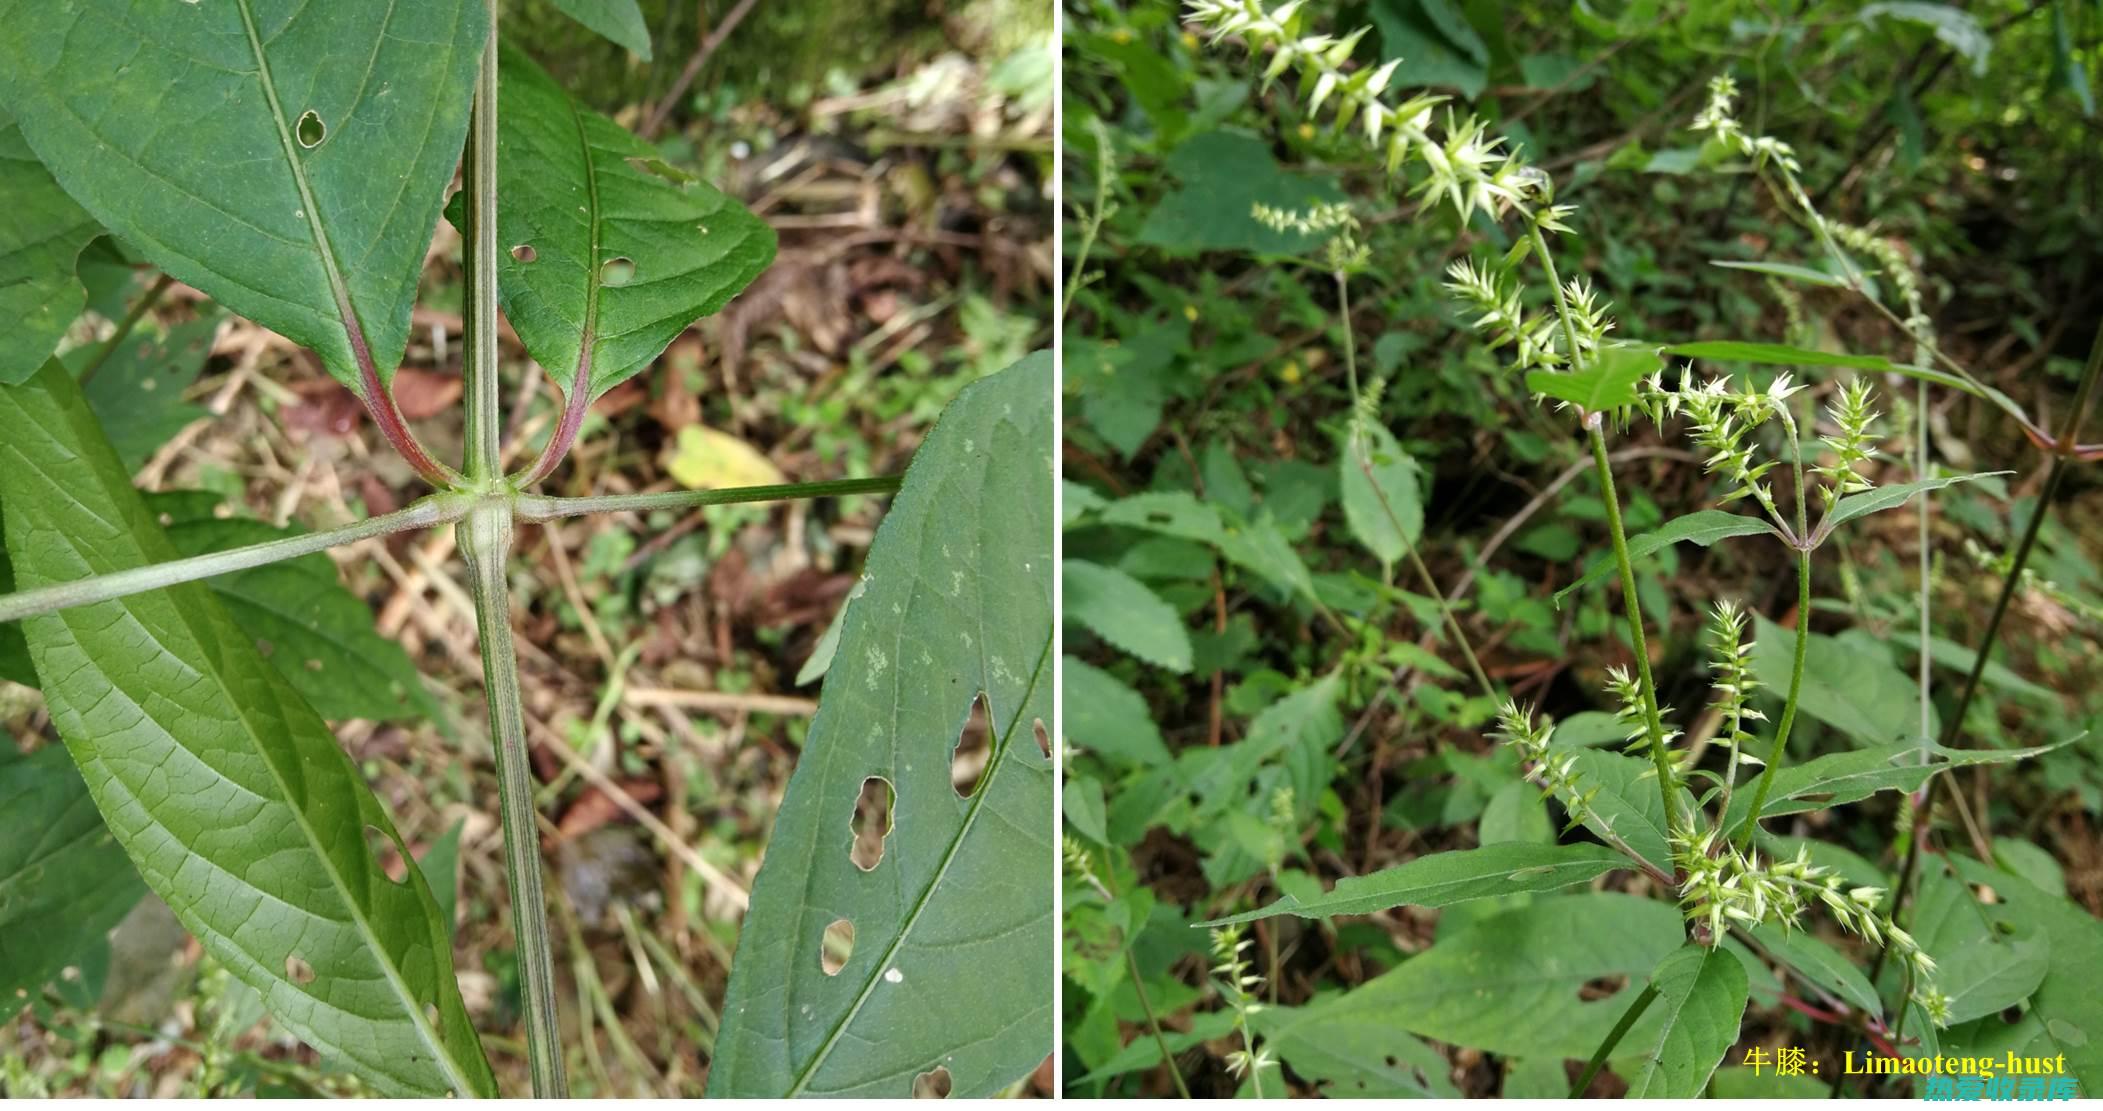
{"points": [[131, 320], [485, 542], [1091, 223], [1648, 687], [1636, 1007], [483, 460], [1154, 1024], [433, 510], [1661, 760], [1365, 464], [532, 507], [1796, 689]]}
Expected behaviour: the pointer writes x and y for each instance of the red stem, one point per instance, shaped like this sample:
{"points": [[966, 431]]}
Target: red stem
{"points": [[576, 401], [380, 403]]}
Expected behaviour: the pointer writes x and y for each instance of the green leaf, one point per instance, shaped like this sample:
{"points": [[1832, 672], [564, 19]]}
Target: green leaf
{"points": [[1382, 491], [1423, 34], [1347, 1045], [1607, 383], [137, 393], [953, 935], [227, 790], [1776, 354], [2067, 1004], [15, 665], [620, 21], [1889, 497], [316, 633], [1953, 26], [609, 252], [64, 882], [1099, 714], [1624, 800], [1443, 879], [289, 159], [1512, 982], [1703, 527], [1986, 958], [1120, 609], [1253, 546], [1701, 998], [1781, 270], [42, 233], [1821, 964], [1223, 175], [1297, 728], [1850, 682], [1839, 778]]}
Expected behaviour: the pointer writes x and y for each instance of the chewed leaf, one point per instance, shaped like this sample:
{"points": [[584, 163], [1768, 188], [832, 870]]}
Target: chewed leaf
{"points": [[608, 253], [947, 654], [296, 189]]}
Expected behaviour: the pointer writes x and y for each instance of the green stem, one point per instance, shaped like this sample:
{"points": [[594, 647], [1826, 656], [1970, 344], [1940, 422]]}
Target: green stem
{"points": [[1659, 758], [433, 510], [1154, 1024], [533, 507], [1648, 688], [483, 460], [1635, 1010], [485, 542], [1796, 688], [1091, 223]]}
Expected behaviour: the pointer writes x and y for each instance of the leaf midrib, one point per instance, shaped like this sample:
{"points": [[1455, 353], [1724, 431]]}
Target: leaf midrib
{"points": [[995, 762], [441, 1053], [353, 328]]}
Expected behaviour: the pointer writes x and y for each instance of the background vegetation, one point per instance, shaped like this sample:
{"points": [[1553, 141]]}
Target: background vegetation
{"points": [[1257, 706], [902, 152]]}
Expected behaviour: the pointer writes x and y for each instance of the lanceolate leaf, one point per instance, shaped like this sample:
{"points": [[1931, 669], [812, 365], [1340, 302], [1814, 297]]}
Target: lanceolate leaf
{"points": [[228, 792], [1452, 877], [288, 158], [1821, 964], [609, 252], [618, 20], [1782, 270], [1844, 777], [1701, 997], [951, 965], [1703, 527], [42, 233], [64, 882], [1889, 497], [1120, 609]]}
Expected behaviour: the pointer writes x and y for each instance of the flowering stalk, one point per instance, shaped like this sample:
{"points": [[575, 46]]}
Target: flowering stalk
{"points": [[1239, 985]]}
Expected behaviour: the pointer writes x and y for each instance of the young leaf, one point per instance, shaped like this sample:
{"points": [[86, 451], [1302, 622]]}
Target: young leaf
{"points": [[42, 233], [1889, 497], [1514, 983], [609, 252], [64, 882], [1703, 527], [1701, 998], [288, 159], [227, 790], [952, 957], [1121, 610], [1443, 879], [1608, 381], [620, 21], [1385, 508]]}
